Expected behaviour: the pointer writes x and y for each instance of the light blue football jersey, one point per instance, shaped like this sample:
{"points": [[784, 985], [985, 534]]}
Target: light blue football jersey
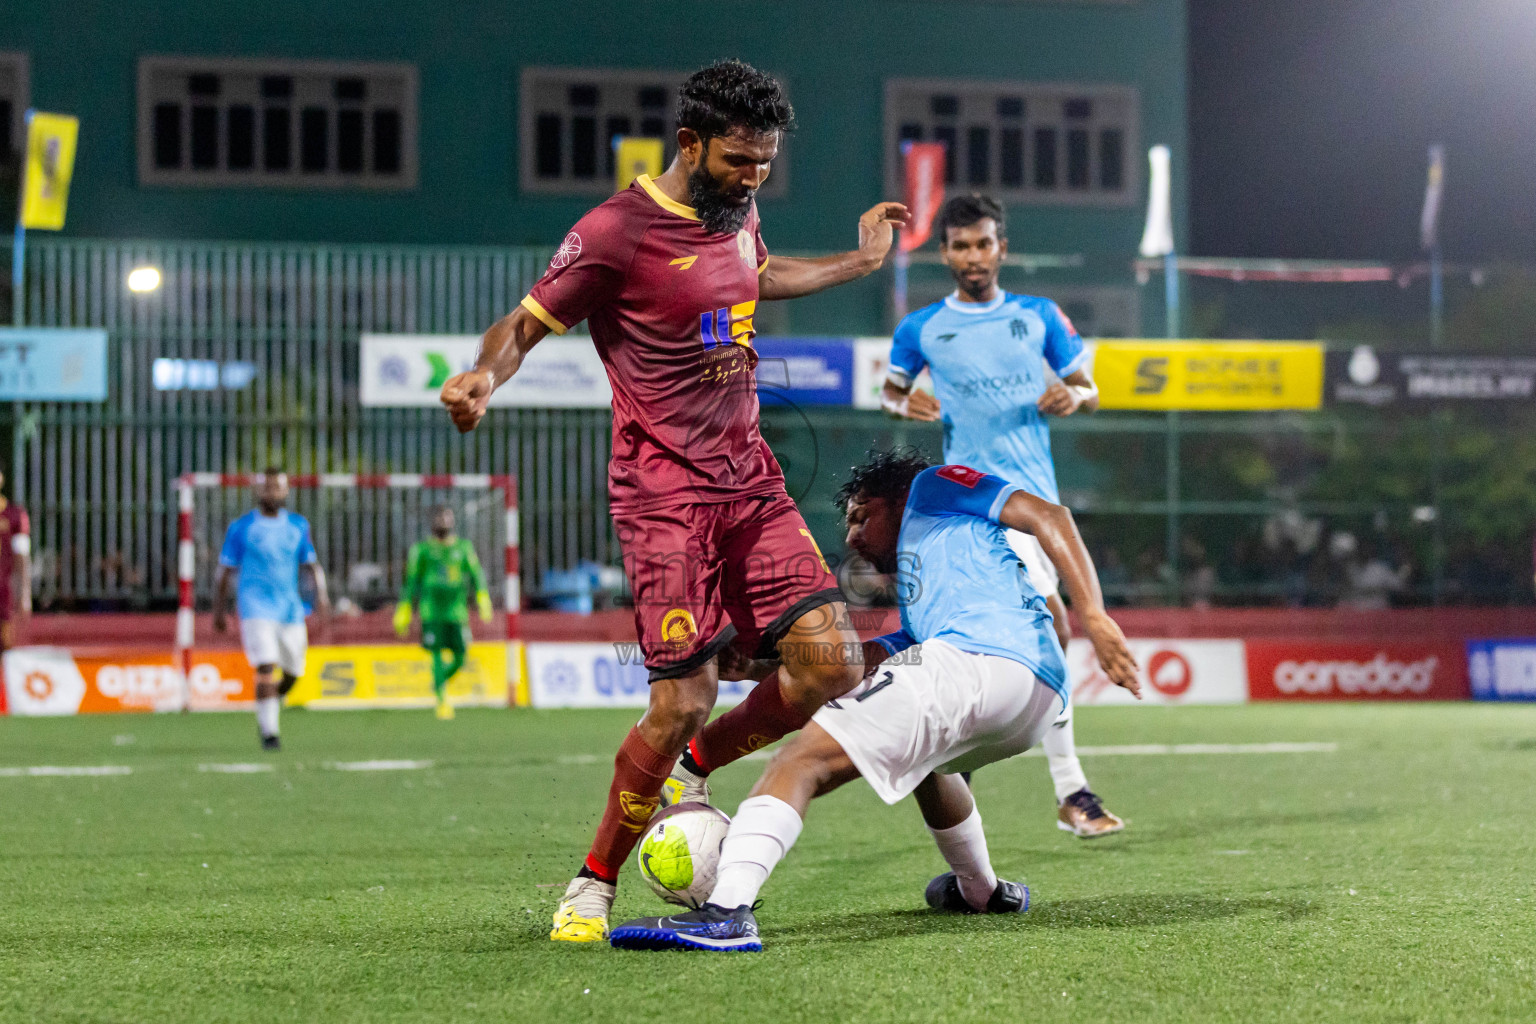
{"points": [[957, 579], [988, 363], [268, 551]]}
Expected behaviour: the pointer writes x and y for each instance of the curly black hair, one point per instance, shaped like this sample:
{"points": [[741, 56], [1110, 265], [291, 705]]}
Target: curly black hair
{"points": [[887, 474], [732, 94], [964, 210]]}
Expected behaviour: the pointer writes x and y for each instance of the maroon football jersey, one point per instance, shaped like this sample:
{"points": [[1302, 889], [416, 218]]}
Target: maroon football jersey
{"points": [[13, 524], [670, 308]]}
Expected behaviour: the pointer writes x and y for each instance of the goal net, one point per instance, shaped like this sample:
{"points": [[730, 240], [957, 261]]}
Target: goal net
{"points": [[363, 528]]}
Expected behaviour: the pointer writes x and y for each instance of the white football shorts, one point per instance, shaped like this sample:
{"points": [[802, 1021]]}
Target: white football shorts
{"points": [[275, 643], [1042, 571], [940, 709]]}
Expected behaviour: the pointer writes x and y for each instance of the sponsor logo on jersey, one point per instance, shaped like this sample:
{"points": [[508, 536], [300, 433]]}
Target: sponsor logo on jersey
{"points": [[965, 476], [946, 337], [746, 248], [678, 629], [567, 253], [684, 262], [728, 324]]}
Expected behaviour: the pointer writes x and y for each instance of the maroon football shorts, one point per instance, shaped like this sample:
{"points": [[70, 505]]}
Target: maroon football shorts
{"points": [[706, 575]]}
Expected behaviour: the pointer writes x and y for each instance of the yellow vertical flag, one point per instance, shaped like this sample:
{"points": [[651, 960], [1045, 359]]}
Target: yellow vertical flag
{"points": [[50, 163], [632, 157]]}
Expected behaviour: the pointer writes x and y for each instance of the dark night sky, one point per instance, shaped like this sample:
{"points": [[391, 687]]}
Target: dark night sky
{"points": [[1310, 121]]}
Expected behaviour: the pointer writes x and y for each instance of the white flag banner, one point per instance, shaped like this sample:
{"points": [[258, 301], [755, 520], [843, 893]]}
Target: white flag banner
{"points": [[1429, 221]]}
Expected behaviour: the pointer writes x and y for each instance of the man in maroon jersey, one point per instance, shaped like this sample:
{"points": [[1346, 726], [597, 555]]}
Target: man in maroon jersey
{"points": [[15, 565], [668, 273]]}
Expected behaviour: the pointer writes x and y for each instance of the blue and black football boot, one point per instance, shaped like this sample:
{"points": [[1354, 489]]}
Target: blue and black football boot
{"points": [[711, 928], [1008, 898]]}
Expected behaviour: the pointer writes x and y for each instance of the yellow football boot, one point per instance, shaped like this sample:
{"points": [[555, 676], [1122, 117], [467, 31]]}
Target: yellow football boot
{"points": [[583, 913], [1083, 815], [444, 710]]}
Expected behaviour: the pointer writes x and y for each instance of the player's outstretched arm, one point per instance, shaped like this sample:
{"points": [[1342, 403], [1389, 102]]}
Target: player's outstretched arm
{"points": [[909, 403], [788, 278], [502, 349], [322, 596], [221, 584], [1055, 529], [1075, 393]]}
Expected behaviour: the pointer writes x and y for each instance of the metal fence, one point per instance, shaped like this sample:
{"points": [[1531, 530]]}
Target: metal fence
{"points": [[259, 351]]}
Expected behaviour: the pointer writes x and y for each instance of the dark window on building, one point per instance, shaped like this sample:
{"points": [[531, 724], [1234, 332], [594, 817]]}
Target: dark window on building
{"points": [[615, 127], [944, 106], [351, 89], [349, 141], [241, 155], [205, 137], [1077, 158], [314, 140], [386, 142], [978, 159], [167, 135], [652, 97], [547, 147], [1078, 109], [583, 96], [276, 139], [1010, 106], [203, 85], [1111, 160], [1045, 158], [1010, 172], [584, 147], [277, 87]]}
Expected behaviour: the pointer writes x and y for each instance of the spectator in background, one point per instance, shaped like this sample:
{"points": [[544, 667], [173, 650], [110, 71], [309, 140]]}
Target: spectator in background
{"points": [[1199, 583], [15, 569], [1373, 580]]}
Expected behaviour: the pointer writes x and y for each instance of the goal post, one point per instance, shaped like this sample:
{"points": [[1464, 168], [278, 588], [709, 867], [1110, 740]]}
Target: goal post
{"points": [[188, 485]]}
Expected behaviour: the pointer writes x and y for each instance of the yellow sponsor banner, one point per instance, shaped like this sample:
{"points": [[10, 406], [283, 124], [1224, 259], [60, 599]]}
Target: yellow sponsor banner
{"points": [[50, 163], [1209, 376], [400, 676], [633, 157]]}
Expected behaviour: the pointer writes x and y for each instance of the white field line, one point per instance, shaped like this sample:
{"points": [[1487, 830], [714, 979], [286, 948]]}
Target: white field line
{"points": [[245, 768], [56, 771], [377, 766], [1160, 749]]}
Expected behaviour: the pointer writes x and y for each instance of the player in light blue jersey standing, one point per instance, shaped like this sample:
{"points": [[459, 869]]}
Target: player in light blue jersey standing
{"points": [[266, 549], [1001, 363]]}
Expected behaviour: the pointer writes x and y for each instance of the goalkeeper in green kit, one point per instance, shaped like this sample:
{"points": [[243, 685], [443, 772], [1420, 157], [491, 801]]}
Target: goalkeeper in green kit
{"points": [[439, 576]]}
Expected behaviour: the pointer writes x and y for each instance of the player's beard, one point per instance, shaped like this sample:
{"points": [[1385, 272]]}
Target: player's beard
{"points": [[721, 214], [976, 291]]}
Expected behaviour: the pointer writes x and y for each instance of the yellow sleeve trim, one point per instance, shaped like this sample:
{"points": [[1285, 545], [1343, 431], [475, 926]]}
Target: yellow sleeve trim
{"points": [[531, 305], [763, 265], [663, 200]]}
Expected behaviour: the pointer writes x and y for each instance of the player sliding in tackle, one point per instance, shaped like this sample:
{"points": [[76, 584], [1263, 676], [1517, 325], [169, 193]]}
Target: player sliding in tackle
{"points": [[440, 574], [989, 351], [668, 274], [984, 682], [267, 548]]}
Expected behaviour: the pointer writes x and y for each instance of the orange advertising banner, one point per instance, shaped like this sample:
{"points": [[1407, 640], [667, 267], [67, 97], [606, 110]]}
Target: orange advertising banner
{"points": [[55, 681]]}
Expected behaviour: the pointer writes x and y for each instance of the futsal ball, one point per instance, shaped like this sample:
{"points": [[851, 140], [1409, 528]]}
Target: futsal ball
{"points": [[680, 853]]}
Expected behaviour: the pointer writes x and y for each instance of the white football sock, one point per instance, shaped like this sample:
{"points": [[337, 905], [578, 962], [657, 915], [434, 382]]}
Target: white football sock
{"points": [[762, 832], [266, 715], [1060, 745], [965, 851]]}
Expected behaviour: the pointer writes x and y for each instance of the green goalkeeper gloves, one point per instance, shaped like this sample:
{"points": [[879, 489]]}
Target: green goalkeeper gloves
{"points": [[483, 602], [403, 618]]}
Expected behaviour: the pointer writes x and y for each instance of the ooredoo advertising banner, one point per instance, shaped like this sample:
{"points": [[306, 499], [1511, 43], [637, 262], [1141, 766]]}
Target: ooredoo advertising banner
{"points": [[1284, 670], [1172, 672]]}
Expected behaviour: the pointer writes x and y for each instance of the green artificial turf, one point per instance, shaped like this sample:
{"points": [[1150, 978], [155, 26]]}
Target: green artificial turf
{"points": [[1391, 880]]}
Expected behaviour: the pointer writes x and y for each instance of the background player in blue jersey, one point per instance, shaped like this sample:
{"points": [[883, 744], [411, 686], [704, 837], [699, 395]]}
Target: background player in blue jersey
{"points": [[984, 682], [1000, 364], [266, 549]]}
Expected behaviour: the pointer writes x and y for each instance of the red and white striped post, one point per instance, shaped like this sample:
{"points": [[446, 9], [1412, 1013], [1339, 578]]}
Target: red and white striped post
{"points": [[512, 578], [186, 564]]}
